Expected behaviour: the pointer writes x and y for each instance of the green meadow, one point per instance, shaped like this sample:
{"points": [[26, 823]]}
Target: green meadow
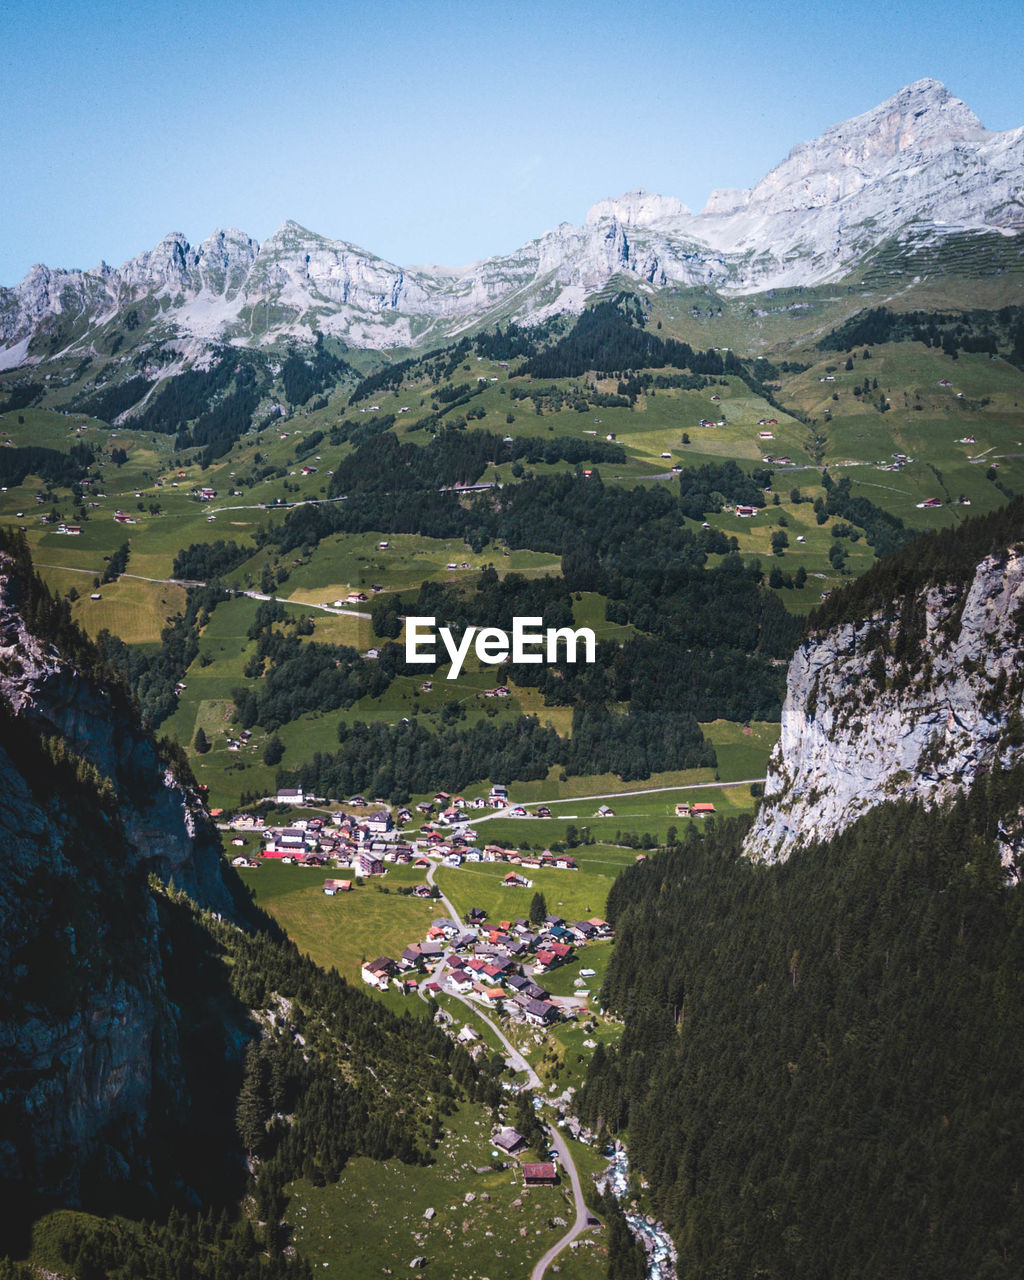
{"points": [[498, 1233]]}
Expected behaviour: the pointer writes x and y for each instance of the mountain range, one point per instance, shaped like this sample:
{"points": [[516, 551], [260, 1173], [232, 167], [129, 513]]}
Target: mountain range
{"points": [[912, 174]]}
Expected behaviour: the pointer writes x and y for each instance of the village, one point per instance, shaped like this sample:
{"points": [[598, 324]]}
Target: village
{"points": [[492, 964]]}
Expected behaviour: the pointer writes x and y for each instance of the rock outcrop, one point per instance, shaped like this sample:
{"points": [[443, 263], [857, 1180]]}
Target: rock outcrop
{"points": [[88, 812], [915, 170], [865, 721]]}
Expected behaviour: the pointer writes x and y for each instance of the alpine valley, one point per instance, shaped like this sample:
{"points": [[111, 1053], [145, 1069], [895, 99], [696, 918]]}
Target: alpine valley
{"points": [[703, 958]]}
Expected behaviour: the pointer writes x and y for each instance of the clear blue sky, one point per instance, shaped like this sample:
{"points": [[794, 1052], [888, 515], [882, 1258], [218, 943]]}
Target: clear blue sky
{"points": [[435, 130]]}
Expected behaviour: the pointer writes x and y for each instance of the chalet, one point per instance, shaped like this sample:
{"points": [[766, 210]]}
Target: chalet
{"points": [[460, 980], [543, 811], [540, 1175], [377, 972], [604, 929], [442, 798], [517, 982], [582, 930], [476, 915], [509, 1140], [746, 511], [605, 812], [357, 802], [289, 795], [541, 1013], [494, 995], [331, 887], [702, 810], [565, 863], [356, 597], [243, 861], [515, 881], [498, 792]]}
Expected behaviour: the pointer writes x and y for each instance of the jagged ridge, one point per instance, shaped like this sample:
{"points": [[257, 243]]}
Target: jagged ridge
{"points": [[919, 167]]}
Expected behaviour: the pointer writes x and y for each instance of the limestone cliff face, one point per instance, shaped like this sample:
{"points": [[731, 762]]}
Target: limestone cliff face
{"points": [[864, 721], [88, 812]]}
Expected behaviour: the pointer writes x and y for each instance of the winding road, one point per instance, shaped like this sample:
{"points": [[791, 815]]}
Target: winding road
{"points": [[516, 1060]]}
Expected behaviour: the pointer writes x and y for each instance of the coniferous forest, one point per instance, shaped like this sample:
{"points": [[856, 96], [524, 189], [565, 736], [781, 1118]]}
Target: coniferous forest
{"points": [[820, 1070]]}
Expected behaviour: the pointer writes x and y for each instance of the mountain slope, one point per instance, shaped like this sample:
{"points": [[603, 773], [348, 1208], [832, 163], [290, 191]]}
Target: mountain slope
{"points": [[915, 170], [818, 1070], [90, 1036], [147, 1041]]}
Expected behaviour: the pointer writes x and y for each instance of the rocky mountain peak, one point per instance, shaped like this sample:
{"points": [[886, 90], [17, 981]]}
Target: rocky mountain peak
{"points": [[637, 209], [921, 120]]}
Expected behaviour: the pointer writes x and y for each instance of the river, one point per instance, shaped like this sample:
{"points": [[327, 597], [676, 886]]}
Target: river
{"points": [[661, 1252]]}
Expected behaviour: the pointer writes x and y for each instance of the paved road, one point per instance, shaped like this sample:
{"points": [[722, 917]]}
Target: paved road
{"points": [[580, 1223], [615, 795], [533, 1081], [190, 581]]}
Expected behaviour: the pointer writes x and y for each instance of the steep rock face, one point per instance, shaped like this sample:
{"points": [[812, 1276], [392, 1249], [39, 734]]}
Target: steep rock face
{"points": [[861, 727], [921, 164], [87, 813], [914, 169]]}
